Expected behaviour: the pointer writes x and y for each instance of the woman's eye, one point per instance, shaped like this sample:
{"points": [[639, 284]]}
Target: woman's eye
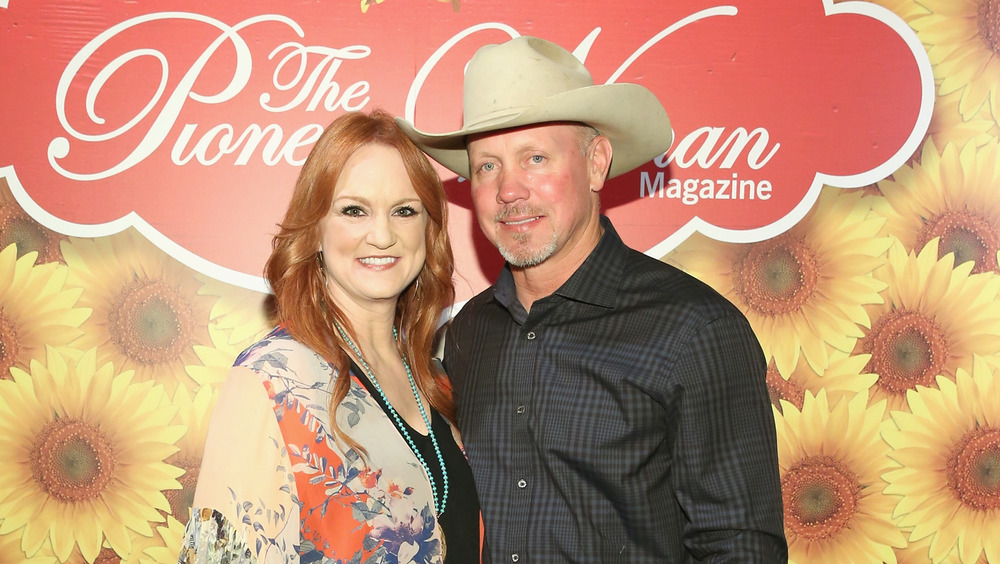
{"points": [[406, 211], [352, 211]]}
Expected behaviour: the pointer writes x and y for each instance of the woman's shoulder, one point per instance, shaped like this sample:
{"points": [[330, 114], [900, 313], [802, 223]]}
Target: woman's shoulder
{"points": [[279, 355]]}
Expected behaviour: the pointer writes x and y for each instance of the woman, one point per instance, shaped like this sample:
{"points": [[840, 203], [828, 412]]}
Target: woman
{"points": [[361, 273]]}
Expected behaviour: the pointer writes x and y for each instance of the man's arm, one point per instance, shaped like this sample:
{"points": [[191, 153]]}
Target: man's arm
{"points": [[725, 457], [448, 354]]}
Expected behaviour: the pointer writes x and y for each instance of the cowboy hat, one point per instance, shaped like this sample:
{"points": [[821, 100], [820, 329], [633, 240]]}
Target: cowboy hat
{"points": [[527, 81]]}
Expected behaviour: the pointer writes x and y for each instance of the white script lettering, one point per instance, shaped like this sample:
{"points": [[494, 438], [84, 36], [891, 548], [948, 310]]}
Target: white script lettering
{"points": [[313, 88]]}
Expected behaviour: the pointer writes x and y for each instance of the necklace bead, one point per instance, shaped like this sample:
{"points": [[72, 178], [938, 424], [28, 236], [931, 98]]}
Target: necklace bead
{"points": [[439, 506]]}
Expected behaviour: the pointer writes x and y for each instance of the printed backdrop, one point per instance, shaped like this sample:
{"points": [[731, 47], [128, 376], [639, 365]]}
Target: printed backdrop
{"points": [[832, 173]]}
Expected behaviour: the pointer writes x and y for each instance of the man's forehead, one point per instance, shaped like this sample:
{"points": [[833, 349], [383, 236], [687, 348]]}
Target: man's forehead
{"points": [[525, 133]]}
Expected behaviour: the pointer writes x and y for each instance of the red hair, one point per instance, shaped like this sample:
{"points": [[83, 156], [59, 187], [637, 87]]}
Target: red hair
{"points": [[299, 286]]}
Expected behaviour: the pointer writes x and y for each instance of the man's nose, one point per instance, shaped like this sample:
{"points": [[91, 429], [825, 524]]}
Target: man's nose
{"points": [[512, 188]]}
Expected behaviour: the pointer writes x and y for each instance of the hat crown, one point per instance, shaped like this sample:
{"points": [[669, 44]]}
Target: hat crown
{"points": [[505, 80], [527, 81]]}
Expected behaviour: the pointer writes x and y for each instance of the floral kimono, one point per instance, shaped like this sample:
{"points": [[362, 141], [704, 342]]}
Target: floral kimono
{"points": [[275, 486]]}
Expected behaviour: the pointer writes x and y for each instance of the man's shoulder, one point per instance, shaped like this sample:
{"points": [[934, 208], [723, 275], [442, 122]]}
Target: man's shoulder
{"points": [[470, 310], [642, 269], [483, 297], [653, 281]]}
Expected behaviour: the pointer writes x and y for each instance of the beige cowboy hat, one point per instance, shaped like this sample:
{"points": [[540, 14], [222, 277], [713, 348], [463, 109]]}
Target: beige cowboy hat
{"points": [[528, 81]]}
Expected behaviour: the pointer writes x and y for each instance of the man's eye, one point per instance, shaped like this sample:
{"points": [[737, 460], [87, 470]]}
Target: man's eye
{"points": [[488, 167], [537, 159]]}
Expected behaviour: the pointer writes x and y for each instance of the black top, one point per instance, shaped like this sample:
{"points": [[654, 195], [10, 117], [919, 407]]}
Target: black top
{"points": [[460, 521]]}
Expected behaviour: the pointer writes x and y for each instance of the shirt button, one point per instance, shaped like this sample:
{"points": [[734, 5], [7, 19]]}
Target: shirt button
{"points": [[530, 335], [521, 483], [515, 557], [520, 409]]}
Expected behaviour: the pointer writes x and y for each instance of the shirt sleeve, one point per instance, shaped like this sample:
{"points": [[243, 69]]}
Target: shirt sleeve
{"points": [[726, 460], [449, 352], [244, 508]]}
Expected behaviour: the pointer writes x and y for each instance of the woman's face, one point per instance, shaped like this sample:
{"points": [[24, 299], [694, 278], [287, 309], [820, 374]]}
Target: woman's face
{"points": [[373, 236]]}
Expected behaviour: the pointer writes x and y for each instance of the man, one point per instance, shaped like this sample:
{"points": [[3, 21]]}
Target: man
{"points": [[613, 408]]}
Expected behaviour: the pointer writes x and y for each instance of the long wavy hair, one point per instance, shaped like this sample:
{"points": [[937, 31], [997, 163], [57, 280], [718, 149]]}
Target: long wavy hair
{"points": [[293, 270]]}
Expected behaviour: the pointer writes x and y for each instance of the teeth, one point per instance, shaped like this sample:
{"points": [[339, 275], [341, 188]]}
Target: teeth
{"points": [[378, 261], [521, 222]]}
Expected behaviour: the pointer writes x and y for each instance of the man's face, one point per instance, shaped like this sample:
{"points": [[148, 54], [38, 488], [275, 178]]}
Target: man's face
{"points": [[533, 191]]}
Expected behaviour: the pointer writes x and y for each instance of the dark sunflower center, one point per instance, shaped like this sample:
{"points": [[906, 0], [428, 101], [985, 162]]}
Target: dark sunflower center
{"points": [[779, 388], [10, 346], [988, 21], [974, 469], [107, 556], [19, 228], [872, 189], [150, 322], [907, 348], [965, 233], [776, 276], [821, 496], [72, 461]]}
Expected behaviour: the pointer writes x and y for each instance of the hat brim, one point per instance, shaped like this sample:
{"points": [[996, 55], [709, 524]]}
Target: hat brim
{"points": [[629, 115]]}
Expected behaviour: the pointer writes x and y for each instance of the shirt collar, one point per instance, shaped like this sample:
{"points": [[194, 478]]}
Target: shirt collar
{"points": [[596, 281]]}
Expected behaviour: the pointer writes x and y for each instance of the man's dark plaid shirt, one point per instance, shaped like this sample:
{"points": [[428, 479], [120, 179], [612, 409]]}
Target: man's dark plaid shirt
{"points": [[625, 419]]}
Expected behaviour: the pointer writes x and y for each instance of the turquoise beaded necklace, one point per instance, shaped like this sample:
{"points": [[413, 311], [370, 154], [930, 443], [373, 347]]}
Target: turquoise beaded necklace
{"points": [[438, 507]]}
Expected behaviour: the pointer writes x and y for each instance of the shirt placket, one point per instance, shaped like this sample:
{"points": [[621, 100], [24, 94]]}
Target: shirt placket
{"points": [[523, 464]]}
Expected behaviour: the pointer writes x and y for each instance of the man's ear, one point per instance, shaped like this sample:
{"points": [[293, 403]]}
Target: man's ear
{"points": [[599, 159]]}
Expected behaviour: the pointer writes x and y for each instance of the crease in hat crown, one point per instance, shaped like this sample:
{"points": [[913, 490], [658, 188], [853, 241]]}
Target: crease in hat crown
{"points": [[527, 81]]}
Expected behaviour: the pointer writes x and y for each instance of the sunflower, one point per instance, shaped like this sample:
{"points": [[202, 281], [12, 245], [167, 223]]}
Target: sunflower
{"points": [[16, 226], [844, 377], [216, 361], [167, 546], [914, 552], [919, 552], [936, 316], [107, 554], [949, 195], [193, 415], [948, 447], [831, 460], [237, 320], [35, 309], [84, 457], [240, 312], [804, 289], [963, 41], [10, 551], [949, 127], [148, 313]]}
